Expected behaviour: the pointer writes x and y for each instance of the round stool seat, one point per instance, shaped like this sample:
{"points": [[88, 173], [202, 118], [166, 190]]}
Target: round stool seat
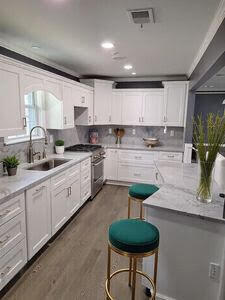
{"points": [[142, 191], [134, 236]]}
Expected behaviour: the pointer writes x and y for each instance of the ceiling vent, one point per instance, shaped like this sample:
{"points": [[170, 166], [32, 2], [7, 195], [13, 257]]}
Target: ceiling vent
{"points": [[141, 16]]}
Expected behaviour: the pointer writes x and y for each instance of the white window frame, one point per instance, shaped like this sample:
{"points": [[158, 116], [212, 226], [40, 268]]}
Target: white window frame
{"points": [[40, 115]]}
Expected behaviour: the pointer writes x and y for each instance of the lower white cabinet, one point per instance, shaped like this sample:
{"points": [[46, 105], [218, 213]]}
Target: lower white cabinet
{"points": [[111, 164], [74, 196], [12, 262], [38, 216], [85, 180], [171, 156], [136, 173]]}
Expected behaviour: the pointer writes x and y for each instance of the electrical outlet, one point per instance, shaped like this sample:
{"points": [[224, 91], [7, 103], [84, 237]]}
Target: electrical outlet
{"points": [[214, 271], [51, 139], [110, 130], [133, 131], [171, 132]]}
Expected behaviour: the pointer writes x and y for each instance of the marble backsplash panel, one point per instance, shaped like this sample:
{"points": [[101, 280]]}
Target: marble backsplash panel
{"points": [[140, 132]]}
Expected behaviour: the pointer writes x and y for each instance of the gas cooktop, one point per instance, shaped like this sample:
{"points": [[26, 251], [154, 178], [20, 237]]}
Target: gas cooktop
{"points": [[84, 148]]}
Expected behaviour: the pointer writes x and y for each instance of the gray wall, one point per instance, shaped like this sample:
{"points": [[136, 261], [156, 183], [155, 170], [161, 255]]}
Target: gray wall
{"points": [[209, 103]]}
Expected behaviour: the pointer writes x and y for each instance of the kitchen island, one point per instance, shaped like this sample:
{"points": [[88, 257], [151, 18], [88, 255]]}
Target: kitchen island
{"points": [[192, 236]]}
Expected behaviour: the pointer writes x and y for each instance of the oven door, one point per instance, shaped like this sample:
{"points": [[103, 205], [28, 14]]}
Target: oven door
{"points": [[97, 176]]}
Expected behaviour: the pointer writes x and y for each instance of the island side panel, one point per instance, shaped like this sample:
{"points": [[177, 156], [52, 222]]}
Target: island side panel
{"points": [[187, 247]]}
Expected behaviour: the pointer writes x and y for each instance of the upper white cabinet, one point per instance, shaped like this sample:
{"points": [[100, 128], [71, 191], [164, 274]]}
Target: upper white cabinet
{"points": [[152, 105], [80, 96], [38, 214], [83, 114], [54, 87], [32, 81], [131, 108], [111, 164], [116, 107], [102, 100], [68, 105], [12, 113], [175, 99]]}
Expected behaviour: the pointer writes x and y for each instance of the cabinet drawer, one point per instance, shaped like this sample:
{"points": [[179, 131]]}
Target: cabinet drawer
{"points": [[86, 164], [85, 175], [74, 172], [11, 233], [58, 180], [11, 208], [85, 192], [171, 156], [140, 157], [12, 262], [134, 173]]}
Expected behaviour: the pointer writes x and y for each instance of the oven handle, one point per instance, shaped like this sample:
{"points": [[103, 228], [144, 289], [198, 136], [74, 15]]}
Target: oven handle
{"points": [[98, 163]]}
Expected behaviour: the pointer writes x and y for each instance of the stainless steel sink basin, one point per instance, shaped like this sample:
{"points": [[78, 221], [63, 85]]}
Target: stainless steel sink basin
{"points": [[48, 165]]}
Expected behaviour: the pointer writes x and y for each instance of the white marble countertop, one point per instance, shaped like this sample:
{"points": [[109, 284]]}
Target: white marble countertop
{"points": [[178, 193], [143, 147], [10, 186]]}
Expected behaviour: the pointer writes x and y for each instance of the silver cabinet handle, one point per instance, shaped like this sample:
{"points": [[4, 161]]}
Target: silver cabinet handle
{"points": [[95, 118], [138, 157], [68, 192], [137, 174], [142, 119], [164, 119], [5, 213], [24, 122], [40, 189], [89, 118], [110, 119], [5, 271], [2, 242], [156, 175], [170, 156], [83, 99], [65, 121]]}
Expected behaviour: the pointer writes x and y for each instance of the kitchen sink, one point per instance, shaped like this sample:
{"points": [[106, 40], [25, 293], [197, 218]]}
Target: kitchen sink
{"points": [[48, 165]]}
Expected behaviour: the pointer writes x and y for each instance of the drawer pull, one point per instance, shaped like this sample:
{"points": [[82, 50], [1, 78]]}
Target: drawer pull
{"points": [[137, 174], [4, 241], [171, 156], [40, 189], [5, 213], [138, 157], [156, 175], [5, 271]]}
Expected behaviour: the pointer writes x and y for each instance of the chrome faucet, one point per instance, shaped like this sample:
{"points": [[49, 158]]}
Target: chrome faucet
{"points": [[31, 153]]}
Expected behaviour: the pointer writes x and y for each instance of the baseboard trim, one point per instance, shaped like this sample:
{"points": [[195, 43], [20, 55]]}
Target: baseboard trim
{"points": [[163, 297]]}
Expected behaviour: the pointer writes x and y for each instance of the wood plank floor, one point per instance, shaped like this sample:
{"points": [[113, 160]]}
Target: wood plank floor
{"points": [[74, 264]]}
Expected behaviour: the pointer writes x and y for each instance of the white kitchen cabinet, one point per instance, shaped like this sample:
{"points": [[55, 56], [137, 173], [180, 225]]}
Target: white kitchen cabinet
{"points": [[32, 81], [85, 180], [12, 113], [80, 96], [111, 163], [54, 87], [38, 217], [171, 156], [152, 106], [132, 108], [102, 100], [68, 105], [116, 107], [73, 201], [84, 115], [174, 108], [136, 173]]}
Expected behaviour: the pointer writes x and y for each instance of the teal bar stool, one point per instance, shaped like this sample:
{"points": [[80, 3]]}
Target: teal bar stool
{"points": [[139, 192], [135, 239]]}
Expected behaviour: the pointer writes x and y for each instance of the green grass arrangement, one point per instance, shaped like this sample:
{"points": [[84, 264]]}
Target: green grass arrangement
{"points": [[208, 138], [59, 143], [11, 161]]}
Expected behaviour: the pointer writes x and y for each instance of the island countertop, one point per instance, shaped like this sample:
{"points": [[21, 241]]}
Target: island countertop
{"points": [[177, 193]]}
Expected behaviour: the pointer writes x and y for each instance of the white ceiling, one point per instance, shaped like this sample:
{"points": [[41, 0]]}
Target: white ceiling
{"points": [[216, 83], [70, 32]]}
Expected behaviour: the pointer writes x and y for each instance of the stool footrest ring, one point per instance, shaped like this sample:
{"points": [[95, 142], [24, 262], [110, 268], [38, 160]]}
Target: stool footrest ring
{"points": [[127, 270]]}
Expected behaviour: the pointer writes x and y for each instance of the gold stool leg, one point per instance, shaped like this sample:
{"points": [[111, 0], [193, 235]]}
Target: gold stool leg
{"points": [[134, 278], [130, 271], [155, 268], [141, 210], [109, 268], [129, 200]]}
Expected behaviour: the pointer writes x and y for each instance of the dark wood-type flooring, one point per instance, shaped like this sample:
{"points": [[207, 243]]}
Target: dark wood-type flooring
{"points": [[74, 264]]}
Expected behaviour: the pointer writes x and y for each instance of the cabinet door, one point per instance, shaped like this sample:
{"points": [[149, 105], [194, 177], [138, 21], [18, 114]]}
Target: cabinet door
{"points": [[59, 207], [116, 108], [54, 87], [102, 103], [12, 112], [32, 81], [131, 108], [90, 99], [68, 106], [152, 107], [38, 213], [174, 104], [73, 200], [112, 164]]}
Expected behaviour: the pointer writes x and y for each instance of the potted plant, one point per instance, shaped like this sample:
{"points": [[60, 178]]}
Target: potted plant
{"points": [[11, 163], [59, 146], [209, 136]]}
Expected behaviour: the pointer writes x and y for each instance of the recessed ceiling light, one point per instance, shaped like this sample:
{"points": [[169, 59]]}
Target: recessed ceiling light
{"points": [[107, 45], [35, 47], [128, 67], [133, 73]]}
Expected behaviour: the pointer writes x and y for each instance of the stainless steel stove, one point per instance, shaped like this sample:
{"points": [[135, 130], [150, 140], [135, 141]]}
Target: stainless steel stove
{"points": [[97, 164]]}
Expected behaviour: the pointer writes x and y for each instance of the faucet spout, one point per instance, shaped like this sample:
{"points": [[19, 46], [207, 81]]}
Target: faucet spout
{"points": [[31, 153]]}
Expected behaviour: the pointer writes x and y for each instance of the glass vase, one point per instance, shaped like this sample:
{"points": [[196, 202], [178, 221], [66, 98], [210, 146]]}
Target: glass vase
{"points": [[204, 190]]}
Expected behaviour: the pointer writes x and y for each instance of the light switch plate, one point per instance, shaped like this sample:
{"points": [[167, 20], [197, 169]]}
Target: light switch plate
{"points": [[171, 132], [110, 130], [133, 131], [214, 271]]}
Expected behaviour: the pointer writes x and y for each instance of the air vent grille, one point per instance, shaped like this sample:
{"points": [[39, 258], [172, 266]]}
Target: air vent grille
{"points": [[141, 16]]}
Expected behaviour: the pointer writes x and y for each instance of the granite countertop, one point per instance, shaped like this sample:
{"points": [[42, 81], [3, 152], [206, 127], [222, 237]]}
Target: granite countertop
{"points": [[11, 186], [143, 147], [177, 193]]}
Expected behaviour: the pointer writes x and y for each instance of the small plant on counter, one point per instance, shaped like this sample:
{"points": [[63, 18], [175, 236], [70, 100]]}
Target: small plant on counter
{"points": [[11, 163], [59, 146], [208, 137]]}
